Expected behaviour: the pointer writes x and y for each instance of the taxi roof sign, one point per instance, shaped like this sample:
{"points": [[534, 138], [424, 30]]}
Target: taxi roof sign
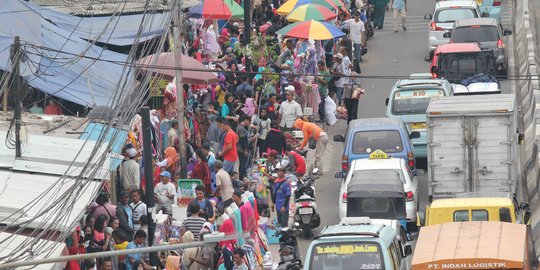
{"points": [[378, 154]]}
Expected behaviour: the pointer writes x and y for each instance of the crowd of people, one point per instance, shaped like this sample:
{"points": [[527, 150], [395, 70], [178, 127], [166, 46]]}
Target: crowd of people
{"points": [[238, 133]]}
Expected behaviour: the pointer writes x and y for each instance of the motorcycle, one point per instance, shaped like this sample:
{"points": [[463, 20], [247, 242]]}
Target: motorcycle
{"points": [[289, 255], [306, 207]]}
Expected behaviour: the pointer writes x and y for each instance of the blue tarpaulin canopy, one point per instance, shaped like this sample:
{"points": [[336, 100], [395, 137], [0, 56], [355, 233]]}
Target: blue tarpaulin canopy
{"points": [[79, 79]]}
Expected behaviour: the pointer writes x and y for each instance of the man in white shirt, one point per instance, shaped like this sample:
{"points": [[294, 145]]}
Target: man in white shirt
{"points": [[289, 110], [171, 134], [139, 208], [223, 182], [130, 171], [164, 194], [357, 33]]}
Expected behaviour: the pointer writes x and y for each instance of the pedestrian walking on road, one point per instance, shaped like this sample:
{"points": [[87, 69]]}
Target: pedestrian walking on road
{"points": [[379, 9], [357, 32], [400, 10]]}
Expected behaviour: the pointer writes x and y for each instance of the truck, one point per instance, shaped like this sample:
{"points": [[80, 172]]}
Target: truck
{"points": [[478, 245], [472, 145]]}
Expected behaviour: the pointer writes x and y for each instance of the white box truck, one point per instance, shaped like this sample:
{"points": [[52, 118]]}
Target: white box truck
{"points": [[472, 145]]}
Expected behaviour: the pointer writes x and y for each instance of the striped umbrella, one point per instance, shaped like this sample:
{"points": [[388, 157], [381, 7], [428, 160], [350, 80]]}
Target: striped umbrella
{"points": [[288, 6], [311, 12], [217, 10], [311, 30]]}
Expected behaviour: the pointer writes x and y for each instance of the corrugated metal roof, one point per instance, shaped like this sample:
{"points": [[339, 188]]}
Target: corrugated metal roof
{"points": [[15, 243], [19, 189], [102, 7]]}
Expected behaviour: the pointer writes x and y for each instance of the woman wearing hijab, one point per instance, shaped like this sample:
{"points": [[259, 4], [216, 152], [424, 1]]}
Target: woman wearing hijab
{"points": [[211, 45], [170, 161], [201, 170], [250, 107], [227, 110], [262, 125], [275, 139], [378, 12], [192, 254]]}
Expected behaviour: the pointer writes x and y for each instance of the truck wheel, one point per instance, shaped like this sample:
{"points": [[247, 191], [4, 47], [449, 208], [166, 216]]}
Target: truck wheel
{"points": [[411, 227]]}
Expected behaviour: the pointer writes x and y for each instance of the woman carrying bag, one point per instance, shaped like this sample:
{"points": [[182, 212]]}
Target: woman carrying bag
{"points": [[351, 95]]}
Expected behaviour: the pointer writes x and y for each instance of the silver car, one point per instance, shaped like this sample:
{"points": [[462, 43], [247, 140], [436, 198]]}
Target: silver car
{"points": [[444, 16], [489, 35]]}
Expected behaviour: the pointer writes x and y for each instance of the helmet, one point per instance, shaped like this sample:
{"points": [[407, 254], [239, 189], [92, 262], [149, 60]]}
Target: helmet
{"points": [[282, 164]]}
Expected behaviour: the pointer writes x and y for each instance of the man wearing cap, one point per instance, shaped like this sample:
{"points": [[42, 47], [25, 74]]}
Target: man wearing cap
{"points": [[281, 197], [289, 110], [164, 194], [130, 172], [124, 213]]}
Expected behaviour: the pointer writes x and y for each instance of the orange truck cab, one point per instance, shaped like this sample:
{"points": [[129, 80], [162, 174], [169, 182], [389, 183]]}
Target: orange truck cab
{"points": [[478, 245]]}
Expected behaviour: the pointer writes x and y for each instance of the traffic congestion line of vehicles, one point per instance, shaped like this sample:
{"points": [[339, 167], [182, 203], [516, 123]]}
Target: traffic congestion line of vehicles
{"points": [[456, 118]]}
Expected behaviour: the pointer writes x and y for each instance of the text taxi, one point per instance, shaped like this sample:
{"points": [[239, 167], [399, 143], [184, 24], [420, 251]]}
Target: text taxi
{"points": [[409, 100], [380, 169], [356, 243]]}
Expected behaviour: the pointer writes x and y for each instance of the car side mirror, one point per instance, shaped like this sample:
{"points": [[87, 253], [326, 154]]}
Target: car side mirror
{"points": [[407, 250], [434, 69], [420, 218], [507, 32], [387, 101], [428, 17], [447, 35], [339, 175], [485, 14], [414, 135], [339, 138], [526, 217], [427, 59]]}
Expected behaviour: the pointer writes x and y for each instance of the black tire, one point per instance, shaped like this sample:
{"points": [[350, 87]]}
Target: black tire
{"points": [[306, 231], [411, 227], [503, 73]]}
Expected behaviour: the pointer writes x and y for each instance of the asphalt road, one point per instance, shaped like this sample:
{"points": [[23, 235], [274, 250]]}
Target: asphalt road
{"points": [[389, 53]]}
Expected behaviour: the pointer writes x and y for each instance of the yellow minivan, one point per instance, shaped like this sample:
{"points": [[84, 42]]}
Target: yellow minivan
{"points": [[474, 209]]}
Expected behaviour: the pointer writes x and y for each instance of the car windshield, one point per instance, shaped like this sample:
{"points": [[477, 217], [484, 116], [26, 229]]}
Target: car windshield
{"points": [[475, 33], [413, 101], [388, 141], [347, 255], [376, 207], [451, 15]]}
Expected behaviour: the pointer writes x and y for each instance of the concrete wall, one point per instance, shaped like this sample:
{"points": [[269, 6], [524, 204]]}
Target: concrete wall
{"points": [[528, 94]]}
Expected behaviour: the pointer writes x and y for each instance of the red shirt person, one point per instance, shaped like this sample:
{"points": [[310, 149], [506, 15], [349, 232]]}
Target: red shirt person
{"points": [[229, 151], [296, 161]]}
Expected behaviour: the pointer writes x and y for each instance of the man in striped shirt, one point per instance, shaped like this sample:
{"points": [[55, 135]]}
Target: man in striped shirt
{"points": [[400, 10], [194, 223]]}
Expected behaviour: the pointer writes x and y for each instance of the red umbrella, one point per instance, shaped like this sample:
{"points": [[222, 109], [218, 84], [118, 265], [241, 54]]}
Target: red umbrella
{"points": [[165, 65], [221, 10]]}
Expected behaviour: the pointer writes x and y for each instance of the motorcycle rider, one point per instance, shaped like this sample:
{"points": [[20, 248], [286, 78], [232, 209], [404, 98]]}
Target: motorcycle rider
{"points": [[297, 164]]}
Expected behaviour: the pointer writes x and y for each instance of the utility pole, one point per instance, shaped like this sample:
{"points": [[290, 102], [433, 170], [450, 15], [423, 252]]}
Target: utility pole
{"points": [[149, 176], [16, 55], [179, 89], [247, 22]]}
